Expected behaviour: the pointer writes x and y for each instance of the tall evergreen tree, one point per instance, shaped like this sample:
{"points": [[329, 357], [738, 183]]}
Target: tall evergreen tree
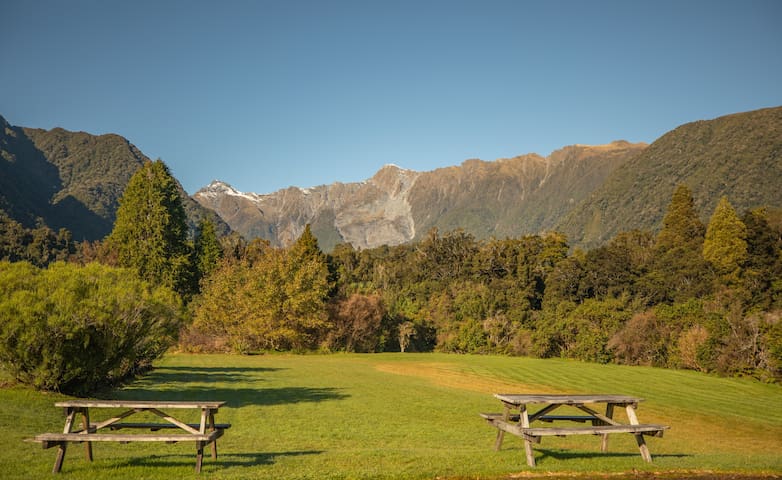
{"points": [[763, 269], [208, 251], [725, 244], [306, 247], [681, 225], [678, 270], [150, 233]]}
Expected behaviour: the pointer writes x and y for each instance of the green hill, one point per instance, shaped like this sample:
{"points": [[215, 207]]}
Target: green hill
{"points": [[71, 180], [738, 155]]}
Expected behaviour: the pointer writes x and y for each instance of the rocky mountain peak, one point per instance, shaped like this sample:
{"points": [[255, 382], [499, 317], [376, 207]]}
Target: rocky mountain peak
{"points": [[394, 206]]}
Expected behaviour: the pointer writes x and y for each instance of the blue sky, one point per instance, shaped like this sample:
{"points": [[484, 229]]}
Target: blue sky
{"points": [[268, 94]]}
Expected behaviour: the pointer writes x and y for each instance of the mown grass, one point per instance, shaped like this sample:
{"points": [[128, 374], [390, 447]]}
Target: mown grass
{"points": [[408, 416]]}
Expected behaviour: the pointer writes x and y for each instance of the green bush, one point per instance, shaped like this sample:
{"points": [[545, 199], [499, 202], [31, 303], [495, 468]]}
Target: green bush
{"points": [[75, 329]]}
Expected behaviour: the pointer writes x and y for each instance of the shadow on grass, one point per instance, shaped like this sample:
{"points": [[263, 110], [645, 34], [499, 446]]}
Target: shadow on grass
{"points": [[164, 375], [234, 397], [217, 384], [223, 459], [544, 454]]}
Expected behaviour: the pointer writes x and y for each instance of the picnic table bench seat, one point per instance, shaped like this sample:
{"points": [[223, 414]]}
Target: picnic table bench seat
{"points": [[159, 426], [54, 439], [532, 433]]}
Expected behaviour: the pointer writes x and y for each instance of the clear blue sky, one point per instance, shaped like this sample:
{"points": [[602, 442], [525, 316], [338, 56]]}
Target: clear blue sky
{"points": [[268, 94]]}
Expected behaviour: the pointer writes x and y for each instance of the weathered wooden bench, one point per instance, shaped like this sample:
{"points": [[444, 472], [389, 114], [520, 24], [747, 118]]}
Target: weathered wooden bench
{"points": [[204, 433], [533, 434], [601, 424], [161, 426]]}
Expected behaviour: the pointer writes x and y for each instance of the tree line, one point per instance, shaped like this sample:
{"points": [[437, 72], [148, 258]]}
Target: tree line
{"points": [[699, 296]]}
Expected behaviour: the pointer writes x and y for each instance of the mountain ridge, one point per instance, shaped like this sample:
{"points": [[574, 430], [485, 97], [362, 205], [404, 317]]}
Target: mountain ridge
{"points": [[737, 155], [72, 180], [398, 205]]}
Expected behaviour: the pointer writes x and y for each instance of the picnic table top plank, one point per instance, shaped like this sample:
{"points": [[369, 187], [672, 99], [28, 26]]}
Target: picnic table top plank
{"points": [[520, 399], [144, 404]]}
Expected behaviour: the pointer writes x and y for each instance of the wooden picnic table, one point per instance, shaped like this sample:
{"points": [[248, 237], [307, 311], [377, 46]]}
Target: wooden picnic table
{"points": [[517, 419], [203, 433]]}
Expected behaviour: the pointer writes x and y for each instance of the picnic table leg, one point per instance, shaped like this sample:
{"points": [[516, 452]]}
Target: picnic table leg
{"points": [[609, 414], [199, 456], [212, 429], [501, 433], [524, 419], [70, 415], [85, 419], [639, 438], [60, 457]]}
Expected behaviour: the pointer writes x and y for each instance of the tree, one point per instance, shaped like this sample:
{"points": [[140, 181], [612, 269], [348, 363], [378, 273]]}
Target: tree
{"points": [[681, 225], [763, 269], [273, 299], [208, 251], [725, 244], [406, 332], [356, 324], [678, 270], [150, 233]]}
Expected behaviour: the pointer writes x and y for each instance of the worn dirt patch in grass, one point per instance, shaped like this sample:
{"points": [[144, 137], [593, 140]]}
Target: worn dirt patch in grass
{"points": [[443, 374]]}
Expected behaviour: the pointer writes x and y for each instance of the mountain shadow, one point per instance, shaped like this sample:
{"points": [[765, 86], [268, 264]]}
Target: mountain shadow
{"points": [[30, 185]]}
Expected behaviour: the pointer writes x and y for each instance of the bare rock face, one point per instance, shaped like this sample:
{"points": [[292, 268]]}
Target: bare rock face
{"points": [[508, 197], [367, 214]]}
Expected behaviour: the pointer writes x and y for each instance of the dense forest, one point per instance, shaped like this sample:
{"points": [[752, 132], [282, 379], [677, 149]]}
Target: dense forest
{"points": [[698, 296], [704, 297]]}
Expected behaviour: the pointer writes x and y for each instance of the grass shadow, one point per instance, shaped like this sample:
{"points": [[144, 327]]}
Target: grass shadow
{"points": [[186, 383], [165, 375], [224, 460], [556, 454], [234, 397]]}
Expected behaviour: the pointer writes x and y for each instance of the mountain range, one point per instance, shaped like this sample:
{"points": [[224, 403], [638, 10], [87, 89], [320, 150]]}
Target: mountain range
{"points": [[507, 197], [590, 193], [74, 180]]}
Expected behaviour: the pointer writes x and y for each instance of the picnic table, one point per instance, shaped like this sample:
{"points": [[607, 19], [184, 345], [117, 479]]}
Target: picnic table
{"points": [[517, 419], [204, 433]]}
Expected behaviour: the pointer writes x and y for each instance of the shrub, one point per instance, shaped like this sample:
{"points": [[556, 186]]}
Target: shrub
{"points": [[75, 329], [356, 324]]}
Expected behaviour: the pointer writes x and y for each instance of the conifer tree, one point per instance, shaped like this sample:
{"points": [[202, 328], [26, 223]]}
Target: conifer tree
{"points": [[150, 233], [681, 225], [306, 247], [678, 270], [208, 251], [725, 245]]}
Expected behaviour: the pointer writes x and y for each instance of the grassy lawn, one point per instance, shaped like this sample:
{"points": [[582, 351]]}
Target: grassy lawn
{"points": [[407, 416]]}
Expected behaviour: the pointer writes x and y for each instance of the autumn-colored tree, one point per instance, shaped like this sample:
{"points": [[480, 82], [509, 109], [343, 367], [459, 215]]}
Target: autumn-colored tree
{"points": [[356, 324], [725, 244], [275, 299]]}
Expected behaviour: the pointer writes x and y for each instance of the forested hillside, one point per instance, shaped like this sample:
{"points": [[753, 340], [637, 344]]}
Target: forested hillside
{"points": [[737, 155], [70, 180]]}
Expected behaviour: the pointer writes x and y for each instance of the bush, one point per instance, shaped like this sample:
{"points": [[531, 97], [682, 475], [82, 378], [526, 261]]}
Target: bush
{"points": [[356, 324], [75, 329]]}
